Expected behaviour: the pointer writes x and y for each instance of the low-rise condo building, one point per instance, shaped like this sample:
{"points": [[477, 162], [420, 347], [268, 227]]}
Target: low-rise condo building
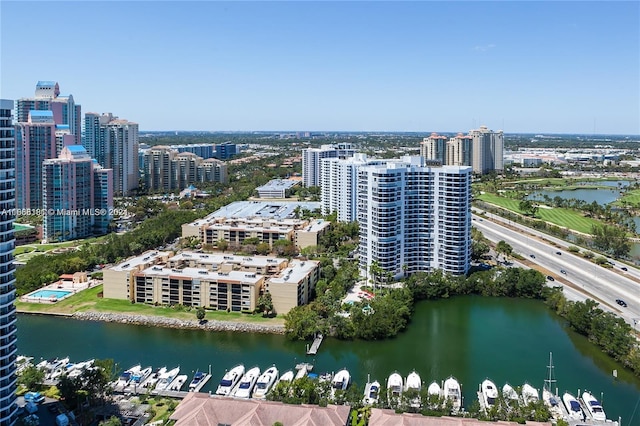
{"points": [[215, 281]]}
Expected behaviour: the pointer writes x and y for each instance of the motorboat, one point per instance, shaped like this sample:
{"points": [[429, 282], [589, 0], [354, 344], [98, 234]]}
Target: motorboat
{"points": [[509, 393], [371, 393], [489, 393], [178, 382], [80, 368], [138, 377], [341, 380], [265, 382], [247, 383], [302, 372], [229, 380], [593, 406], [394, 385], [573, 407], [451, 391], [153, 378], [434, 389], [198, 377], [125, 376], [529, 394], [413, 383], [165, 379], [287, 377]]}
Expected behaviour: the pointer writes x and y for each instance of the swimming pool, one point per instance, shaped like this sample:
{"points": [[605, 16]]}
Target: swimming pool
{"points": [[49, 294]]}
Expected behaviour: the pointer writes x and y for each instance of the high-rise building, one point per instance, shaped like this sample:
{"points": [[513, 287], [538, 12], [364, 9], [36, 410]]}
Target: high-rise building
{"points": [[226, 150], [202, 150], [339, 185], [167, 170], [8, 334], [35, 142], [413, 218], [434, 148], [487, 150], [311, 160], [48, 98], [459, 150], [114, 144], [77, 199]]}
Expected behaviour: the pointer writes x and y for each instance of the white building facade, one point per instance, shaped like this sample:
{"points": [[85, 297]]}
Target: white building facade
{"points": [[339, 185], [311, 158], [8, 333], [414, 218]]}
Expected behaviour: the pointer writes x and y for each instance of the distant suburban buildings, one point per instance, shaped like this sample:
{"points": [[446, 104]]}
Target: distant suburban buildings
{"points": [[339, 185], [202, 150], [226, 150], [8, 343], [113, 142], [77, 196], [482, 149], [219, 281], [414, 217], [166, 169], [277, 188], [311, 160], [267, 221]]}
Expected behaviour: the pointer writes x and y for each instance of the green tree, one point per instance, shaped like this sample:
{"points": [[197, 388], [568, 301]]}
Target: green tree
{"points": [[31, 377], [504, 249], [200, 313], [222, 245], [265, 303]]}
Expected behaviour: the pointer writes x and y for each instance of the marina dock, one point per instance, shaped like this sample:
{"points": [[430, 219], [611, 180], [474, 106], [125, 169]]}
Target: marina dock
{"points": [[315, 345]]}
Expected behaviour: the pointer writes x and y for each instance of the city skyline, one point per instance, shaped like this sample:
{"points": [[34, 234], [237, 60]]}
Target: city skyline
{"points": [[521, 67]]}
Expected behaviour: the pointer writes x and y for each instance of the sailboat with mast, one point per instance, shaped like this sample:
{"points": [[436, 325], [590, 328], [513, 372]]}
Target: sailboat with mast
{"points": [[551, 400]]}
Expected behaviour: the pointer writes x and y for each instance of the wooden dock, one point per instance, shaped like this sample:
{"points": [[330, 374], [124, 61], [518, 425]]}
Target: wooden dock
{"points": [[315, 345]]}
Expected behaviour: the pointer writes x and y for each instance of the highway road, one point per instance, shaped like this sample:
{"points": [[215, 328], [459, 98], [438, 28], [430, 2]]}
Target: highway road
{"points": [[581, 278]]}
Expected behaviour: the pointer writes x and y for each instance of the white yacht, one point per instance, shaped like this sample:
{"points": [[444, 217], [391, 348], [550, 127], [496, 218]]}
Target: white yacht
{"points": [[341, 380], [125, 376], [434, 389], [453, 392], [138, 377], [371, 393], [594, 406], [394, 385], [573, 407], [198, 377], [247, 383], [509, 393], [153, 378], [287, 377], [551, 400], [229, 380], [489, 393], [264, 383], [529, 394], [414, 382], [178, 382], [165, 379]]}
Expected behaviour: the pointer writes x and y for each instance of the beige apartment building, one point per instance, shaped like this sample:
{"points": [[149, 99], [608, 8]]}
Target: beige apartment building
{"points": [[214, 281]]}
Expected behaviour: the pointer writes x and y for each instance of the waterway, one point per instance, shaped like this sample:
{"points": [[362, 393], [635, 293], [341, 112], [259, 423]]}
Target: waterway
{"points": [[471, 338]]}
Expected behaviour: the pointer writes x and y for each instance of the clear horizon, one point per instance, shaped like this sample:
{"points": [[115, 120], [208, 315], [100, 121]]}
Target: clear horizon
{"points": [[522, 67]]}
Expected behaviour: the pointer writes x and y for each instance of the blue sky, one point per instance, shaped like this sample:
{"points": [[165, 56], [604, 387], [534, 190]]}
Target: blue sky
{"points": [[542, 67]]}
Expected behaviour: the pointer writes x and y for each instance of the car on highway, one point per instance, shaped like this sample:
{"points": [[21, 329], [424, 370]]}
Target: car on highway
{"points": [[558, 253], [550, 278], [624, 268], [562, 271], [533, 256], [621, 303]]}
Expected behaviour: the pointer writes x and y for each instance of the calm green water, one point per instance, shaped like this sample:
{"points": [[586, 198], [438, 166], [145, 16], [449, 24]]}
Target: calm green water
{"points": [[471, 338]]}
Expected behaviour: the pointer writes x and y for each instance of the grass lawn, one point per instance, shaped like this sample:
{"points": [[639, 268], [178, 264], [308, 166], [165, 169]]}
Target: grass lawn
{"points": [[631, 197], [88, 300], [561, 217]]}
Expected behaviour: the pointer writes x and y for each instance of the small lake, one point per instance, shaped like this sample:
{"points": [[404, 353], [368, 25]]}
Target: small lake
{"points": [[471, 338], [600, 196]]}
